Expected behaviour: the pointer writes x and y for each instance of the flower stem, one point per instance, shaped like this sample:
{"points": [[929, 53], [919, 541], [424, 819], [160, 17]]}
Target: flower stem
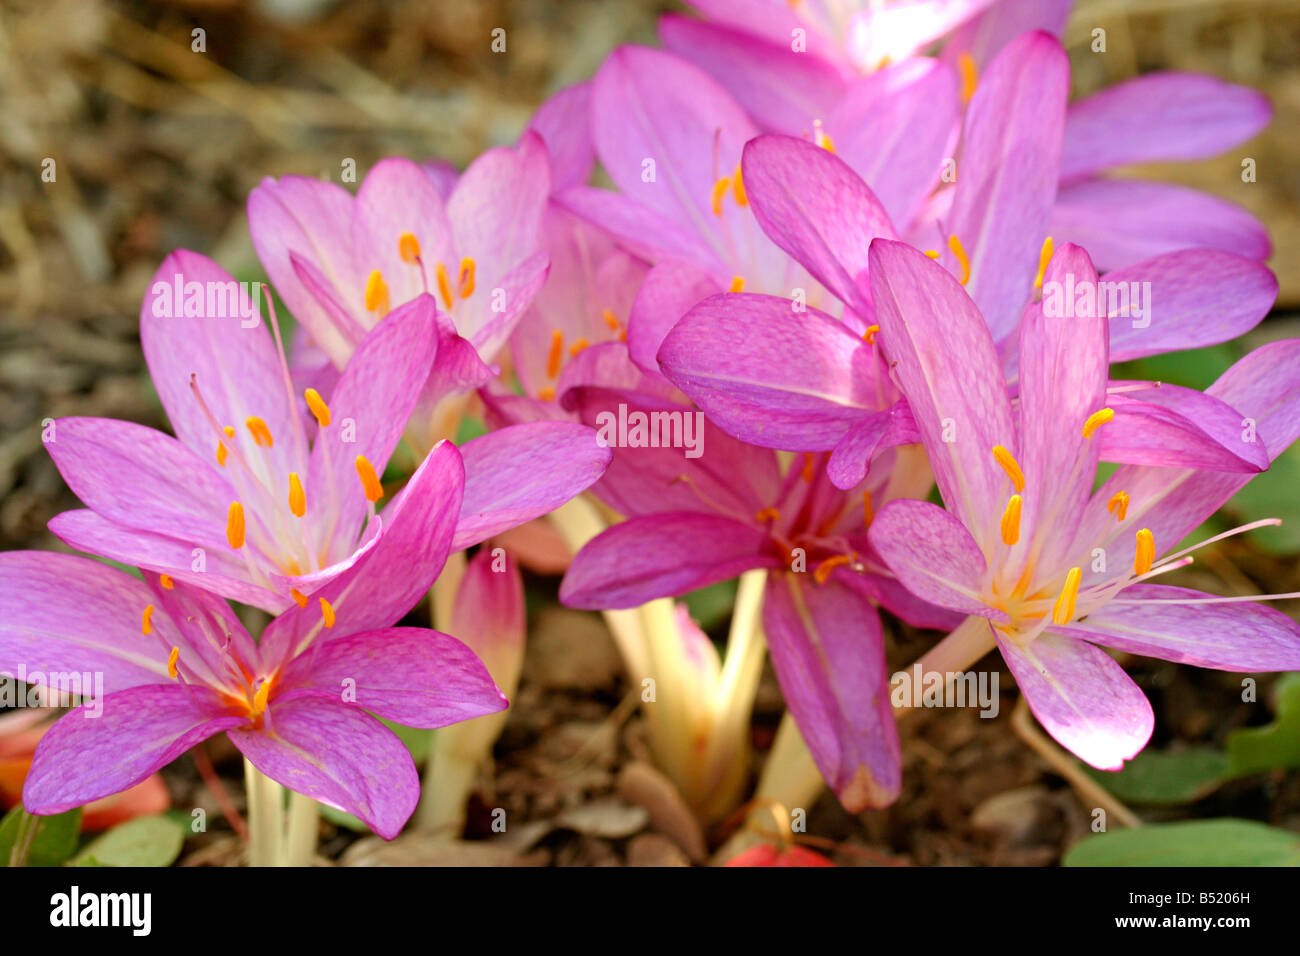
{"points": [[304, 826], [265, 817]]}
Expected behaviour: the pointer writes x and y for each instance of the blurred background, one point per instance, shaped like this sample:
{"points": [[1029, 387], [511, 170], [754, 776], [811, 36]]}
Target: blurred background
{"points": [[156, 147]]}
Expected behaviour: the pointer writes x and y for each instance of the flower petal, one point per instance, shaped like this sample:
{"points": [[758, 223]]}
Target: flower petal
{"points": [[368, 412], [932, 553], [1179, 428], [812, 205], [669, 457], [670, 290], [1159, 116], [1082, 698], [142, 478], [894, 127], [564, 124], [515, 474], [409, 675], [772, 376], [1191, 298], [943, 360], [60, 613], [221, 342], [828, 652], [1007, 174], [218, 570], [393, 573], [1124, 221], [338, 755], [142, 729], [310, 219], [782, 89], [1247, 637], [661, 555]]}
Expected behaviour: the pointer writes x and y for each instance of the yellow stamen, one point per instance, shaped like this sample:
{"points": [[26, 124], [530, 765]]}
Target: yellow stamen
{"points": [[465, 281], [146, 626], [870, 334], [557, 354], [867, 511], [1010, 466], [444, 285], [578, 346], [299, 598], [611, 320], [933, 253], [1044, 257], [327, 612], [221, 446], [823, 570], [969, 76], [1118, 505], [738, 188], [959, 251], [1096, 420], [821, 139], [768, 514], [737, 284], [1146, 551], [377, 293], [235, 525], [318, 407], [1063, 610], [297, 500], [172, 658], [546, 394], [263, 692], [1011, 521], [166, 581], [719, 191], [257, 428], [408, 247], [369, 480], [807, 473]]}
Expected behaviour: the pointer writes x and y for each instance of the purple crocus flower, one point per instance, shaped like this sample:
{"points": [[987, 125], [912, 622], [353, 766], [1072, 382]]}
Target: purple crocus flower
{"points": [[670, 138], [693, 520], [1025, 545], [778, 378], [264, 497], [343, 262], [179, 667], [828, 94]]}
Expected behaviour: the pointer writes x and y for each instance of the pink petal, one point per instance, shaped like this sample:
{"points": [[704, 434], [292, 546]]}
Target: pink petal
{"points": [[944, 362], [932, 554], [828, 653], [659, 556], [141, 730], [1082, 698], [409, 675], [338, 755], [515, 474], [1007, 173]]}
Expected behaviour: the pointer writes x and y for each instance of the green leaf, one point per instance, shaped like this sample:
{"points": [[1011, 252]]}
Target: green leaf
{"points": [[1253, 749], [417, 740], [469, 429], [1166, 778], [1225, 842], [343, 819], [709, 606], [144, 841], [29, 840]]}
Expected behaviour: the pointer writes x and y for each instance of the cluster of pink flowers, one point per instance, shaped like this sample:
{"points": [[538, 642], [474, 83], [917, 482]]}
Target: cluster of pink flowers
{"points": [[832, 273]]}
